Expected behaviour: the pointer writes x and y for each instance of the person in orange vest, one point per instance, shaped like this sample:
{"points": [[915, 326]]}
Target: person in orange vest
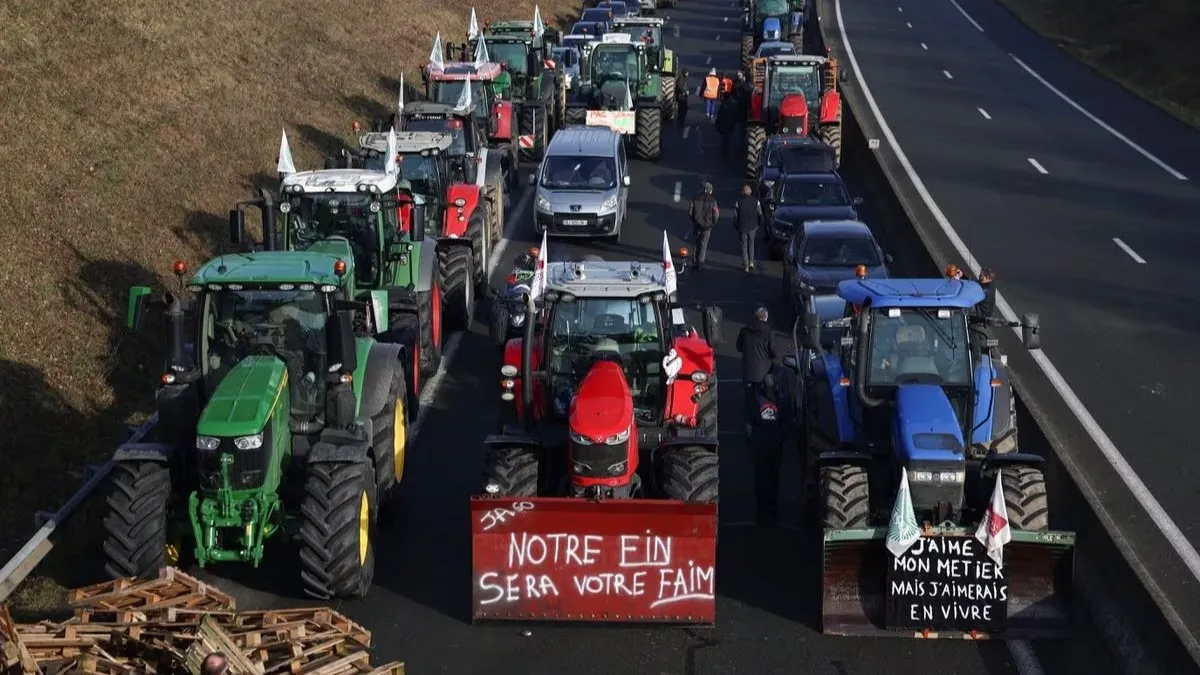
{"points": [[726, 84], [712, 94]]}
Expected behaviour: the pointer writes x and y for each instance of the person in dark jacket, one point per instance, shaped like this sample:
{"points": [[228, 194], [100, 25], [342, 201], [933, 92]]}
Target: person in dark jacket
{"points": [[772, 425], [987, 280], [757, 348], [681, 98], [727, 121], [704, 214], [742, 91], [984, 313], [747, 216]]}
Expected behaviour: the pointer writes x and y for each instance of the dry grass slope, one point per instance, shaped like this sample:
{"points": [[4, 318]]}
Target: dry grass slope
{"points": [[1149, 46], [128, 130]]}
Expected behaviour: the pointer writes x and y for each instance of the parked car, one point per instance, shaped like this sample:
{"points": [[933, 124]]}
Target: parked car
{"points": [[823, 253], [799, 197], [792, 155]]}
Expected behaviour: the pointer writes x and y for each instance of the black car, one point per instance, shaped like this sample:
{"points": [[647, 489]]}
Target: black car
{"points": [[793, 154], [799, 197], [619, 9], [823, 253], [599, 15]]}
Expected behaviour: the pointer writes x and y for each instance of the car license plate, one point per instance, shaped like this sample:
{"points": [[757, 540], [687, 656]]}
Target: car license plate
{"points": [[574, 221]]}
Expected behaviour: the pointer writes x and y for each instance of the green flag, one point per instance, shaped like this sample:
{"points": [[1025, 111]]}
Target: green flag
{"points": [[903, 531]]}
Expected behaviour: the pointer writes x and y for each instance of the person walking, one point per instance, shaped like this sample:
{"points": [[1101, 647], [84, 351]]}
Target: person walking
{"points": [[742, 91], [704, 214], [681, 98], [726, 85], [755, 344], [746, 217], [712, 94], [772, 425], [727, 122]]}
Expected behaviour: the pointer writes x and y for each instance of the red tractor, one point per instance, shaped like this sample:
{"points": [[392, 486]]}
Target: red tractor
{"points": [[793, 94], [444, 84], [612, 454]]}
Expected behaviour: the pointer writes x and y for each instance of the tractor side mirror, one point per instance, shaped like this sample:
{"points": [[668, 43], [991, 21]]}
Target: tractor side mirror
{"points": [[713, 317], [889, 258], [343, 351], [812, 330], [237, 226], [532, 177], [842, 76], [1031, 332], [857, 201], [625, 180], [416, 225], [139, 298]]}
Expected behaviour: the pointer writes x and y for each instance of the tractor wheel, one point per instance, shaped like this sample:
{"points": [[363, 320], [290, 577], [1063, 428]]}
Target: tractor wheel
{"points": [[706, 417], [497, 213], [756, 137], [668, 96], [576, 116], [831, 134], [477, 232], [429, 330], [498, 323], [1025, 497], [845, 497], [649, 133], [797, 40], [390, 427], [747, 51], [455, 265], [510, 472], [690, 474], [135, 525], [533, 121], [337, 530]]}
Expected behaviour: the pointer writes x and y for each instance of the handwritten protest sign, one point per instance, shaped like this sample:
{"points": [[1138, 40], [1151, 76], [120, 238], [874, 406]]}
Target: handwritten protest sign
{"points": [[946, 583]]}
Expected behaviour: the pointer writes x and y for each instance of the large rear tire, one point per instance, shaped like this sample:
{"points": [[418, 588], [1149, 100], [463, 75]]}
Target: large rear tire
{"points": [[576, 116], [533, 122], [670, 110], [690, 474], [429, 330], [510, 472], [455, 265], [747, 51], [337, 530], [496, 199], [390, 427], [845, 497], [756, 138], [706, 417], [831, 134], [135, 525], [649, 133], [1025, 498]]}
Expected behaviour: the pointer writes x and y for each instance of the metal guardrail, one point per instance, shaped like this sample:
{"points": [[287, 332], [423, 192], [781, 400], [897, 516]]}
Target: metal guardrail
{"points": [[41, 543]]}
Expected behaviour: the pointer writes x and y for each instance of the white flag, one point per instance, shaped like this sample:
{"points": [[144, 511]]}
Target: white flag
{"points": [[538, 286], [473, 27], [285, 165], [672, 363], [539, 28], [669, 278], [628, 103], [400, 101], [392, 163], [436, 58], [481, 52], [994, 531], [465, 102], [902, 530]]}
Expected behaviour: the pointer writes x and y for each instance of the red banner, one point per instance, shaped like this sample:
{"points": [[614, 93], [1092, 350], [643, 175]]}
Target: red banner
{"points": [[577, 560]]}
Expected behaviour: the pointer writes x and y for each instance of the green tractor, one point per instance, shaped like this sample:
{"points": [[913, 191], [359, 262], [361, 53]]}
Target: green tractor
{"points": [[621, 91], [771, 21], [659, 59], [277, 419], [531, 80]]}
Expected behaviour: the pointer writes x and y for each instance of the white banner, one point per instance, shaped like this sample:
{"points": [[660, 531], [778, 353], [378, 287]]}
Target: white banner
{"points": [[623, 121]]}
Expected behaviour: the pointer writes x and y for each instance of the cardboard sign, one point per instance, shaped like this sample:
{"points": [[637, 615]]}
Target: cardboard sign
{"points": [[946, 583], [621, 121]]}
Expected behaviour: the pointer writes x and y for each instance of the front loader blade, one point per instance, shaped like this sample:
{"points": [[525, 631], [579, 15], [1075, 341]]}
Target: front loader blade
{"points": [[618, 560], [858, 592]]}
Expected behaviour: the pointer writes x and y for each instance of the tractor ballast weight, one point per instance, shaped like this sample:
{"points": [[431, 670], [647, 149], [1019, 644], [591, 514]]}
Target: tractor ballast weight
{"points": [[621, 92], [781, 85], [771, 20], [444, 83], [599, 503], [920, 386], [531, 79], [659, 59]]}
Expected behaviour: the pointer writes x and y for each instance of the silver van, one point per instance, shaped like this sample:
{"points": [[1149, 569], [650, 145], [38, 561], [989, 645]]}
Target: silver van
{"points": [[582, 184]]}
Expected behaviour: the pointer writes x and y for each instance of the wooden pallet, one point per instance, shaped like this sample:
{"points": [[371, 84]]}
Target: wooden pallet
{"points": [[129, 600]]}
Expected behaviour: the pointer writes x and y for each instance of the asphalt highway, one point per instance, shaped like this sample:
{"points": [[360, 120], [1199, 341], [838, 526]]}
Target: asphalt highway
{"points": [[1083, 197], [768, 578]]}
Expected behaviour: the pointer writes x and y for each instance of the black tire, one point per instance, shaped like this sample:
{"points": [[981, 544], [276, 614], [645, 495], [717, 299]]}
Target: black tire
{"points": [[747, 51], [455, 265], [333, 563], [391, 448], [429, 351], [497, 213], [135, 519], [670, 110], [649, 133], [831, 134], [498, 323], [706, 417], [533, 121], [690, 474], [477, 231], [845, 497], [576, 116], [510, 472], [1025, 498], [756, 138]]}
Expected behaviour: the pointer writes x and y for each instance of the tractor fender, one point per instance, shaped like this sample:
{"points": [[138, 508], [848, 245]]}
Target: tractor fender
{"points": [[843, 457], [384, 360], [831, 107], [493, 168], [995, 461], [343, 445], [426, 267], [457, 218], [511, 440], [503, 113], [143, 452]]}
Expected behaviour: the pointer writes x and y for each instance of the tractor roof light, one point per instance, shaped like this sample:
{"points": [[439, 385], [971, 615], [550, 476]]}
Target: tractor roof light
{"points": [[683, 252], [180, 267], [339, 268], [861, 271]]}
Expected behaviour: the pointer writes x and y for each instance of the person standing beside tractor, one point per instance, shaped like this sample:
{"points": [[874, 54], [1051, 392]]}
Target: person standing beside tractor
{"points": [[712, 94], [681, 98], [727, 121], [704, 214], [755, 344], [746, 217]]}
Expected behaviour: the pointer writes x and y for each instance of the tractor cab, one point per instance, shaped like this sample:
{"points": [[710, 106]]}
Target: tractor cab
{"points": [[614, 67], [424, 168], [467, 139], [445, 85], [647, 32], [794, 96], [518, 49]]}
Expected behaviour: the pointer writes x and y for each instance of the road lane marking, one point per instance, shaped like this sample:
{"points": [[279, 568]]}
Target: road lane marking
{"points": [[948, 75], [1041, 169], [686, 131], [899, 9], [964, 13], [924, 46], [985, 114], [1170, 530], [727, 18], [678, 189], [908, 24], [1132, 253], [718, 36], [1101, 123], [708, 61]]}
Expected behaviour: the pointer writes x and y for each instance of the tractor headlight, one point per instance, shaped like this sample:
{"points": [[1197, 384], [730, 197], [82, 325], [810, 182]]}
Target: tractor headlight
{"points": [[618, 439], [618, 469], [402, 259], [249, 442], [580, 468], [207, 443], [609, 204], [938, 477], [580, 439]]}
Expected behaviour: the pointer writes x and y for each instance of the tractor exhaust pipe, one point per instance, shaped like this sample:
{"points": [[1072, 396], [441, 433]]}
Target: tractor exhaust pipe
{"points": [[416, 225], [269, 231], [527, 364], [177, 359], [860, 376]]}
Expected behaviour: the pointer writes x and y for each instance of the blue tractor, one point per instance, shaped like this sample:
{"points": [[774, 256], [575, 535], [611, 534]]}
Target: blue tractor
{"points": [[916, 382]]}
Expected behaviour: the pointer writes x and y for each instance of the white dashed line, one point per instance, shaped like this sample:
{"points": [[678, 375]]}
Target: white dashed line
{"points": [[924, 46], [718, 36], [899, 9], [1041, 169], [964, 13], [1132, 253], [678, 187], [708, 61], [726, 18], [985, 114], [1124, 139], [686, 131], [948, 75], [908, 24]]}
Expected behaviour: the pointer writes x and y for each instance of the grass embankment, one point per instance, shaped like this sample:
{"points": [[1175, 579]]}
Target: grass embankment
{"points": [[1149, 47], [129, 129]]}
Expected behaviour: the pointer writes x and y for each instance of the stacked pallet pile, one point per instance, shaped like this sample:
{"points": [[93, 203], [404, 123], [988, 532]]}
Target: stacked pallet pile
{"points": [[170, 624]]}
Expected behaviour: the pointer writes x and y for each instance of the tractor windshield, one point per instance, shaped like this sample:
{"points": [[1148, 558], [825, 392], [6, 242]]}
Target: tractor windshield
{"points": [[513, 54], [919, 346], [772, 8], [314, 217], [287, 324], [621, 329], [614, 64], [459, 141], [790, 79], [651, 35], [421, 171], [449, 91]]}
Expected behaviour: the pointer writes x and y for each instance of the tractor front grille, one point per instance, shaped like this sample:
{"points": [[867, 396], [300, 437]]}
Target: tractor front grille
{"points": [[929, 487], [599, 460], [249, 469]]}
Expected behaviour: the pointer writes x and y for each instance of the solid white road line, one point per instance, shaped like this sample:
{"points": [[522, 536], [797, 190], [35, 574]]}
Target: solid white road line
{"points": [[924, 46], [964, 13], [678, 189], [1041, 169], [1101, 123], [1132, 253], [948, 75], [1132, 480], [985, 114]]}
